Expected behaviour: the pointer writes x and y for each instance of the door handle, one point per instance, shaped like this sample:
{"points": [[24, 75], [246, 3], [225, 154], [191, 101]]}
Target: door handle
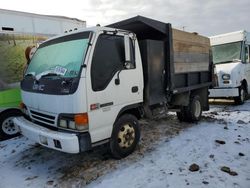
{"points": [[134, 89]]}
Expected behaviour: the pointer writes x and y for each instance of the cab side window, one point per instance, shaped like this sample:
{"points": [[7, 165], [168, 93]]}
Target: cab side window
{"points": [[132, 53], [108, 58], [247, 53]]}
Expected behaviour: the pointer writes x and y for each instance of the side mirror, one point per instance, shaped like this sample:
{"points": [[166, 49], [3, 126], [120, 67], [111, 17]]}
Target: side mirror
{"points": [[128, 65], [127, 49]]}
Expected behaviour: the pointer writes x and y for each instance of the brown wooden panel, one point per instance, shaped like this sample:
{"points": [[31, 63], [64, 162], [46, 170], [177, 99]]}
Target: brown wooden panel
{"points": [[185, 57], [182, 46], [190, 37], [191, 52], [190, 42], [190, 62], [191, 67]]}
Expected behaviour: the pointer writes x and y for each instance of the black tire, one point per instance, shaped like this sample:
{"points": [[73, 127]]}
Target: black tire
{"points": [[127, 127], [182, 115], [194, 109], [242, 96], [7, 128]]}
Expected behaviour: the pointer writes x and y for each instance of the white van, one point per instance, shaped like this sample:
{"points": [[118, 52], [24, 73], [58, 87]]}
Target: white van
{"points": [[231, 66]]}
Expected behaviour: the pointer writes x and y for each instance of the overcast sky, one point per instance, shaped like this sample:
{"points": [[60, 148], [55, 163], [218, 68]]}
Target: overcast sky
{"points": [[207, 17]]}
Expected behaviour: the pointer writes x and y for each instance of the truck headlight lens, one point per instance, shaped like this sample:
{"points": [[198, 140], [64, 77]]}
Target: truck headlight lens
{"points": [[74, 122], [72, 125], [63, 123], [226, 76]]}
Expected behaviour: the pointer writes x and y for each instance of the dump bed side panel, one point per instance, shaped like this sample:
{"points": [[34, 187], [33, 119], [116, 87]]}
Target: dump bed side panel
{"points": [[191, 59], [191, 52]]}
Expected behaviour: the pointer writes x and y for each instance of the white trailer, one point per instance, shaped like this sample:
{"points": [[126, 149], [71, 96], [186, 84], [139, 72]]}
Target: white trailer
{"points": [[19, 31], [23, 22], [231, 66]]}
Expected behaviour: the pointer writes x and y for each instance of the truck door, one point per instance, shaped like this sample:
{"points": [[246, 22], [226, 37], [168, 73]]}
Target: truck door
{"points": [[110, 85]]}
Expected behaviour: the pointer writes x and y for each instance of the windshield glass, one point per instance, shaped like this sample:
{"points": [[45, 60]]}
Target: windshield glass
{"points": [[226, 52], [62, 56]]}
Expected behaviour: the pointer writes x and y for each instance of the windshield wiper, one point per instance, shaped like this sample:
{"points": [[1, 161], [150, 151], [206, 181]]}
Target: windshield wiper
{"points": [[221, 62], [50, 74], [229, 61], [236, 60], [32, 74], [47, 74]]}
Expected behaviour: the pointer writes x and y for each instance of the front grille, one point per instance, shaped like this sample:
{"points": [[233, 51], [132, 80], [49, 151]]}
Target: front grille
{"points": [[43, 118], [46, 126]]}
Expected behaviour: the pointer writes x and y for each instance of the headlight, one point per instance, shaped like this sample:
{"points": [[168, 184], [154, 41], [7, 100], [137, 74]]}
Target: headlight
{"points": [[63, 123], [72, 125], [226, 76], [74, 122]]}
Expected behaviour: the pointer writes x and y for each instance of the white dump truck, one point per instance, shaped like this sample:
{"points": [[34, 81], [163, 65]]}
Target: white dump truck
{"points": [[231, 66], [91, 86]]}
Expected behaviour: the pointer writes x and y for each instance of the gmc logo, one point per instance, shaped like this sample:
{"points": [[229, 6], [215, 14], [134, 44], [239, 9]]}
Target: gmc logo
{"points": [[38, 87]]}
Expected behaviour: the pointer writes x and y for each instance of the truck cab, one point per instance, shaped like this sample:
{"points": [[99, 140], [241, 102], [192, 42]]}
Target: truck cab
{"points": [[231, 66], [76, 80]]}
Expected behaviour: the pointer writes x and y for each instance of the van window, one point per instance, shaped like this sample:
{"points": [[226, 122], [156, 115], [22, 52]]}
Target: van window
{"points": [[226, 53], [108, 58]]}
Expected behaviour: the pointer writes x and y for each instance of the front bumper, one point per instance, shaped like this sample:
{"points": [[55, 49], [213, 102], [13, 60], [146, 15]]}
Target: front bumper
{"points": [[223, 92], [66, 142]]}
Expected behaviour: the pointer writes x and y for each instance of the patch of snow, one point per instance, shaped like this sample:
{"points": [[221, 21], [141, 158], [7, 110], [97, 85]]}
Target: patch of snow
{"points": [[26, 164], [168, 165]]}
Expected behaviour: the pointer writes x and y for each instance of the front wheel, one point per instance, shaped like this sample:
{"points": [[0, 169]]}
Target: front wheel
{"points": [[7, 127], [242, 96], [125, 136]]}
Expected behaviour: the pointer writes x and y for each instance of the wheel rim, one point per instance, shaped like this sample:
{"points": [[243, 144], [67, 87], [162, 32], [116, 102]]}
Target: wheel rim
{"points": [[126, 136], [197, 110], [9, 127]]}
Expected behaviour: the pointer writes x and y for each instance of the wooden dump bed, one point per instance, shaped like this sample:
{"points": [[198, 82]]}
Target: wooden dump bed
{"points": [[191, 52], [174, 61]]}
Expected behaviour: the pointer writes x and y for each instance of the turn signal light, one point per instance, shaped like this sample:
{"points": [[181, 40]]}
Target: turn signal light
{"points": [[81, 119]]}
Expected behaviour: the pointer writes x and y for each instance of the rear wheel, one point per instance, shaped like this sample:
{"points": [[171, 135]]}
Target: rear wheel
{"points": [[7, 127], [192, 112], [194, 109], [242, 96], [125, 136]]}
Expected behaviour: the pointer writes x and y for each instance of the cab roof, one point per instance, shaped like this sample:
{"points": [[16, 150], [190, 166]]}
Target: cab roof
{"points": [[236, 36]]}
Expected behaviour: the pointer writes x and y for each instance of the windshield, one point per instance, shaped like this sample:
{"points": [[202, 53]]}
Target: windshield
{"points": [[226, 52], [62, 56]]}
